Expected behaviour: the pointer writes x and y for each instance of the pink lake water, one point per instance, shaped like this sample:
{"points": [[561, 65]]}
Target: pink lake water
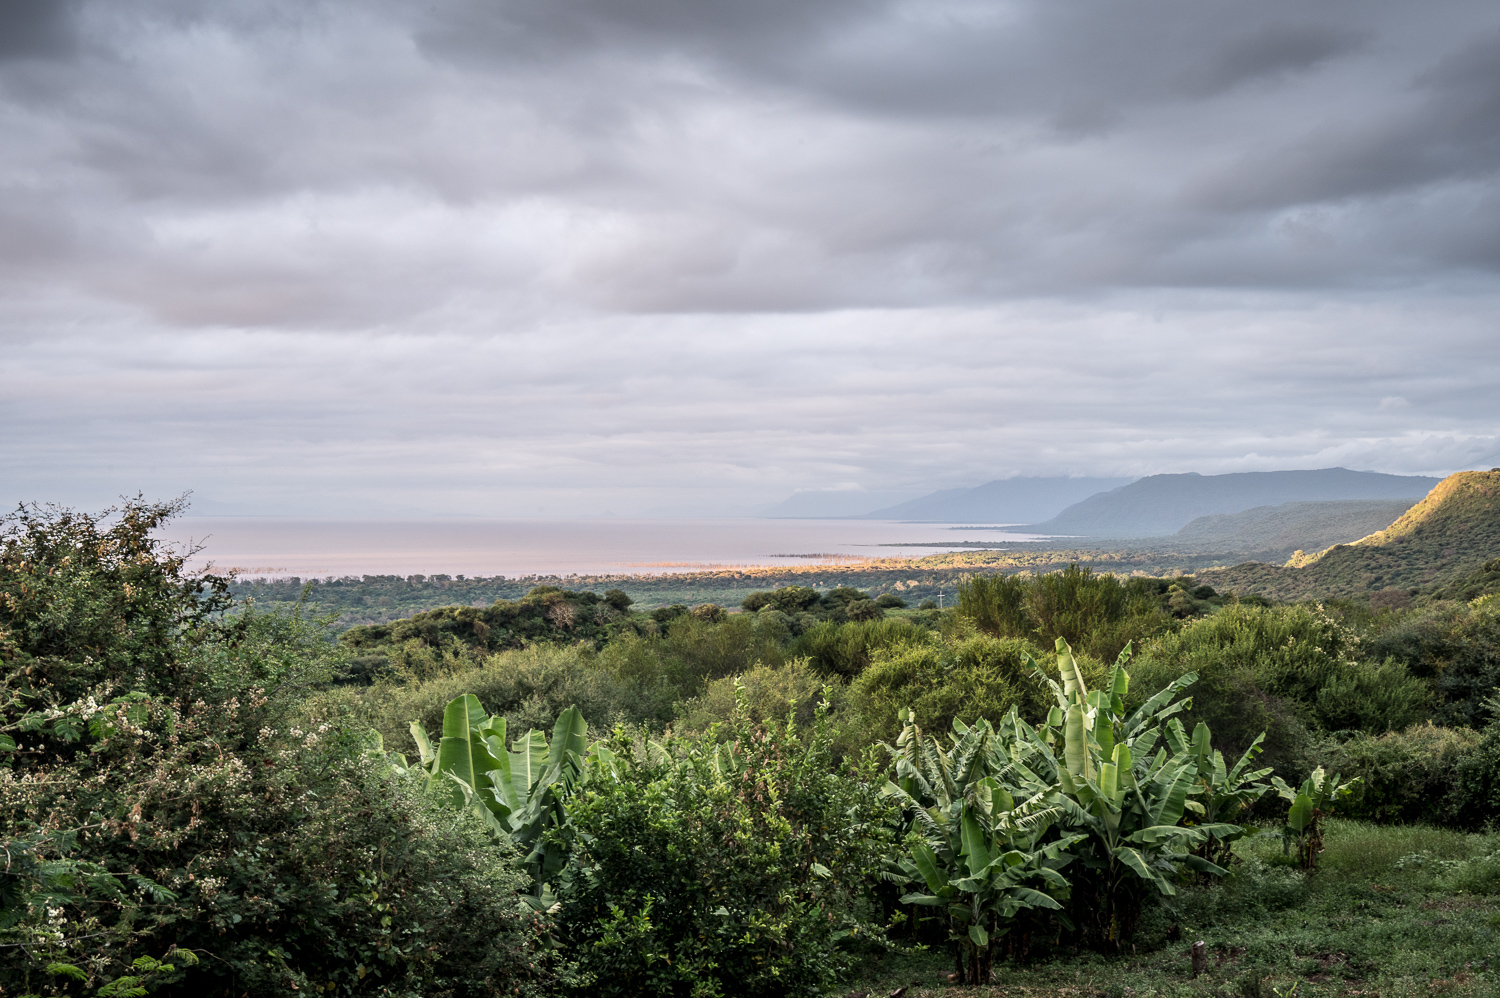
{"points": [[281, 546]]}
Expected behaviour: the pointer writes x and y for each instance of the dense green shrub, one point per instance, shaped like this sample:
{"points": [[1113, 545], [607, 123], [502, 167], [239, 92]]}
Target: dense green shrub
{"points": [[695, 651], [546, 613], [1457, 648], [840, 604], [272, 850], [970, 678], [1289, 671], [720, 870], [94, 600], [847, 649], [163, 790], [997, 605], [1097, 614], [765, 694], [1406, 776], [1476, 794], [787, 599]]}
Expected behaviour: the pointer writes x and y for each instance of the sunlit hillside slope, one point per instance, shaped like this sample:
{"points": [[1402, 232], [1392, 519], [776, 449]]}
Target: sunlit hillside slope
{"points": [[1450, 534]]}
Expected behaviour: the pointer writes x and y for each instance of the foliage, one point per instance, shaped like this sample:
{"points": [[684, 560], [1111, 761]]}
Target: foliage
{"points": [[165, 796], [529, 688], [965, 676], [545, 613], [1454, 647], [94, 600], [1310, 804], [1288, 671], [840, 604], [1098, 614], [1085, 781], [1408, 776], [517, 791], [718, 868], [232, 830], [766, 695], [846, 650], [984, 860]]}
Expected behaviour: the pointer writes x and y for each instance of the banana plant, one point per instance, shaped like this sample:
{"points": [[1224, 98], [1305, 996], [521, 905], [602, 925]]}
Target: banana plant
{"points": [[1310, 803], [983, 859], [518, 789], [1144, 816], [1225, 792]]}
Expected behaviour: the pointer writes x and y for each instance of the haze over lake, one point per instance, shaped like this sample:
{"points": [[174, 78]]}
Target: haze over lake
{"points": [[310, 548]]}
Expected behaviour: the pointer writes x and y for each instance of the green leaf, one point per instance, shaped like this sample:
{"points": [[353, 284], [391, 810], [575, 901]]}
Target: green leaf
{"points": [[1072, 677], [1109, 780], [463, 715], [974, 842], [1201, 746], [1035, 898], [1137, 863], [528, 761], [981, 938], [1104, 734], [1075, 746], [424, 745], [1300, 815], [569, 739], [66, 970], [1125, 765], [1169, 810], [1204, 866], [927, 900], [926, 862], [1153, 707], [463, 753]]}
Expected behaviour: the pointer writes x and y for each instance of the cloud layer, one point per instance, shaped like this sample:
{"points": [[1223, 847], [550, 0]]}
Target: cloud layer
{"points": [[652, 254]]}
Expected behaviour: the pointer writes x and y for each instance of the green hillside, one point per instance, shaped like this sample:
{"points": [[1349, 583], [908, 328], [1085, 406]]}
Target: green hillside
{"points": [[1294, 525], [1447, 537]]}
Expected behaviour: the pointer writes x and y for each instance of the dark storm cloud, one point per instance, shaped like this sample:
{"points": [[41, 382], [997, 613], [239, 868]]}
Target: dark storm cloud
{"points": [[528, 245], [36, 29]]}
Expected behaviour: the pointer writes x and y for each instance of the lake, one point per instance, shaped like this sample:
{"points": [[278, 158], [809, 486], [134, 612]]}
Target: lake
{"points": [[281, 546]]}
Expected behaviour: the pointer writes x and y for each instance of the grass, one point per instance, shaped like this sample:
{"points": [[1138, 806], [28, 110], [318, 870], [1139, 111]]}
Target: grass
{"points": [[1390, 912]]}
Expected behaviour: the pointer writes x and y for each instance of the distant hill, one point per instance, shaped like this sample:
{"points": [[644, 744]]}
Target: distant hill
{"points": [[1164, 504], [1310, 526], [1450, 535], [1006, 500], [822, 504]]}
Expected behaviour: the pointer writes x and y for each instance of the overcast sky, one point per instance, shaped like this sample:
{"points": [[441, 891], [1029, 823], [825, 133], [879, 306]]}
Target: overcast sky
{"points": [[512, 257]]}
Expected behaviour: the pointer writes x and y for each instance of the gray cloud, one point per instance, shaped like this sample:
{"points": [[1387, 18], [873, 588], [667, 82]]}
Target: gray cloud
{"points": [[466, 250]]}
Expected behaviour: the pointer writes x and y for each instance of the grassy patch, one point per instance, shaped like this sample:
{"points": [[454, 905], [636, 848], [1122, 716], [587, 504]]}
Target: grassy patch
{"points": [[1391, 911]]}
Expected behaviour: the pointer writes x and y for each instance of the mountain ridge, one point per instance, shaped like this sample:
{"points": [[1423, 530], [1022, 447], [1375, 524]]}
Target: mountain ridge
{"points": [[1160, 505], [1004, 500]]}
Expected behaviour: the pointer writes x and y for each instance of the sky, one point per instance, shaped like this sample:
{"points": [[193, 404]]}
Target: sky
{"points": [[660, 257]]}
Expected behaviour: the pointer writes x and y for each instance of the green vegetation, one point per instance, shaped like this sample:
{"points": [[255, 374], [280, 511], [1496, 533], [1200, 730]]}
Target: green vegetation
{"points": [[1278, 531], [573, 791], [1383, 914], [175, 819]]}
